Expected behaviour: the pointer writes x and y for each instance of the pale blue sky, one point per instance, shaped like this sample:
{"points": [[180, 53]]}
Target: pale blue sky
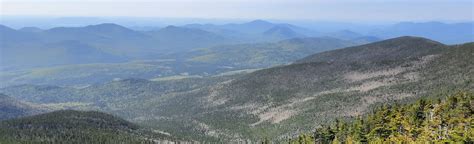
{"points": [[334, 10]]}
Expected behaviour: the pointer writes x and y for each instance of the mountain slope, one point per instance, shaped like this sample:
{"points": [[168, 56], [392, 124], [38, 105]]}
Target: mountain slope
{"points": [[345, 34], [338, 71], [366, 39], [102, 43], [179, 39], [263, 55], [286, 100], [343, 82], [333, 84], [281, 32], [9, 37], [73, 126], [389, 50], [30, 29], [64, 46], [255, 26], [12, 108], [93, 32], [58, 53], [257, 31]]}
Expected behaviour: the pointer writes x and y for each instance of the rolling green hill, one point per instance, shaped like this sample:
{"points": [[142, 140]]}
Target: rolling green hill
{"points": [[282, 101], [74, 127]]}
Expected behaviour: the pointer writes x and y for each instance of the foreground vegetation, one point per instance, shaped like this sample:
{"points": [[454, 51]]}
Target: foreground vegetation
{"points": [[448, 120]]}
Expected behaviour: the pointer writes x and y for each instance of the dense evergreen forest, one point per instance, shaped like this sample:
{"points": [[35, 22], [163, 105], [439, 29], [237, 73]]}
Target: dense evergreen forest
{"points": [[81, 127], [426, 120], [434, 120]]}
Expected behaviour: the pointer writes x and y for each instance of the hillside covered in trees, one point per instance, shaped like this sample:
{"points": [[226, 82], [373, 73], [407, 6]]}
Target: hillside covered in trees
{"points": [[278, 102], [75, 127], [236, 71], [427, 120]]}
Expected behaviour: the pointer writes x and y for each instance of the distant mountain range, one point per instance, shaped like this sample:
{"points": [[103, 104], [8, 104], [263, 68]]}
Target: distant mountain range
{"points": [[111, 43], [281, 101], [258, 31], [96, 43]]}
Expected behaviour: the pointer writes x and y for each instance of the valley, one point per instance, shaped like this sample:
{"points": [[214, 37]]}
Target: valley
{"points": [[278, 102], [236, 71]]}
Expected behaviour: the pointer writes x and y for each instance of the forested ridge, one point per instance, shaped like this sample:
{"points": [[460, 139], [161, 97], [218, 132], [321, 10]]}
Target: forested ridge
{"points": [[75, 127], [426, 120]]}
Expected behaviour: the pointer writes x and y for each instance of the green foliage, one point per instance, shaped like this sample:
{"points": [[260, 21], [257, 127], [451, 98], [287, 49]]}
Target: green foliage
{"points": [[74, 127], [424, 121]]}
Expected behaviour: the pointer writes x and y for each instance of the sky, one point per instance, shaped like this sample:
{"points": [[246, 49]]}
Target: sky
{"points": [[331, 10]]}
